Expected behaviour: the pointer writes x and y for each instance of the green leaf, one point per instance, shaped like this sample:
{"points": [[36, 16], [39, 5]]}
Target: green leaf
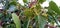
{"points": [[54, 7], [16, 20], [28, 13], [13, 3], [14, 0], [25, 1], [1, 14], [41, 21], [26, 23], [38, 6], [41, 1], [6, 4], [11, 26]]}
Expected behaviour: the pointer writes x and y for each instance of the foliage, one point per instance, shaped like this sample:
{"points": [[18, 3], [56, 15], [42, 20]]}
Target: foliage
{"points": [[33, 14]]}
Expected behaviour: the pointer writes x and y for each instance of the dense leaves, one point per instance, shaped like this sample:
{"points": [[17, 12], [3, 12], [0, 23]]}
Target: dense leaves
{"points": [[30, 16]]}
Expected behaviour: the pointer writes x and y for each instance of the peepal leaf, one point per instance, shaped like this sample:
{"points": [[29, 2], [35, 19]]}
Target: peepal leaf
{"points": [[16, 20]]}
